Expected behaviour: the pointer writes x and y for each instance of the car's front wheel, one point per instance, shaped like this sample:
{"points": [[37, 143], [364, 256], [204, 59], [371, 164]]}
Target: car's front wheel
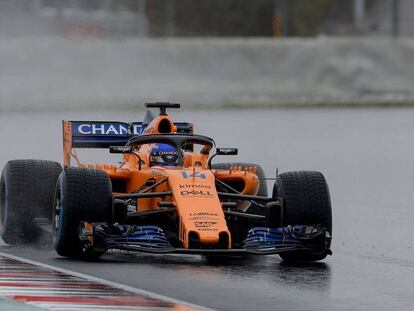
{"points": [[81, 195], [306, 202]]}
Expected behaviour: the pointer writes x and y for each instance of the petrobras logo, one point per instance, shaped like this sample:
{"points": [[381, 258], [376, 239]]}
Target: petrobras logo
{"points": [[106, 128]]}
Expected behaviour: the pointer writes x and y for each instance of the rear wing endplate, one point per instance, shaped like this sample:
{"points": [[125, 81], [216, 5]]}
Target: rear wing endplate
{"points": [[102, 134]]}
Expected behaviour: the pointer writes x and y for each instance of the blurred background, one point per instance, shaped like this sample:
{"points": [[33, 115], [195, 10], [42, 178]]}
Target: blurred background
{"points": [[186, 18], [61, 54]]}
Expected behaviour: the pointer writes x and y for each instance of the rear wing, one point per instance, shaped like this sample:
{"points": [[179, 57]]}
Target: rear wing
{"points": [[102, 134]]}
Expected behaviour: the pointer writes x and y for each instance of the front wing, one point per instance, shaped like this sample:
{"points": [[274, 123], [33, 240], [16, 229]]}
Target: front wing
{"points": [[151, 239]]}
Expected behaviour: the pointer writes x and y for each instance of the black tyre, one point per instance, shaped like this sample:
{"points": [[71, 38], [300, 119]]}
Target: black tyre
{"points": [[81, 195], [26, 192], [306, 202], [259, 172]]}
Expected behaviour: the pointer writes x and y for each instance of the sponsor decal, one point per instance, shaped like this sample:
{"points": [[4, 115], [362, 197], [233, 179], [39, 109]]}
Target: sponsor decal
{"points": [[168, 153], [195, 175], [196, 193], [204, 214], [192, 186], [120, 149], [203, 218], [206, 229], [106, 128], [204, 224], [224, 151]]}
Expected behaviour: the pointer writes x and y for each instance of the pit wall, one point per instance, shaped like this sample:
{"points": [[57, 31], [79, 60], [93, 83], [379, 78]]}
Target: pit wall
{"points": [[58, 73]]}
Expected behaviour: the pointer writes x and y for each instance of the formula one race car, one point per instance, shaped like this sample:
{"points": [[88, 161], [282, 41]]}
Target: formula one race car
{"points": [[166, 196]]}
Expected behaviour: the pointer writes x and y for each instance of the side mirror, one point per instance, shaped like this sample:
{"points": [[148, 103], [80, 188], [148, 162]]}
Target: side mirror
{"points": [[227, 151], [223, 151], [120, 149]]}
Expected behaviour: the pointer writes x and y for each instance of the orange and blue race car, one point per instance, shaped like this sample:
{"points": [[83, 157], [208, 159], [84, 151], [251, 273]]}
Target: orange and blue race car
{"points": [[165, 196]]}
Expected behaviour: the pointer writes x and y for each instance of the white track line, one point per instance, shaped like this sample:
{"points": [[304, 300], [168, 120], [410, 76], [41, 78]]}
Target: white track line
{"points": [[110, 283]]}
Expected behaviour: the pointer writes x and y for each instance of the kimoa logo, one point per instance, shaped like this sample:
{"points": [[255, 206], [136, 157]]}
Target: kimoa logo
{"points": [[193, 186], [108, 129]]}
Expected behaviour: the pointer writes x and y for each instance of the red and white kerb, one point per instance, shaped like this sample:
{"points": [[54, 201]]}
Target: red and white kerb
{"points": [[54, 290]]}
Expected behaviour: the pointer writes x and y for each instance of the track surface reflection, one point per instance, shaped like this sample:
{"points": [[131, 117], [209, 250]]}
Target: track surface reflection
{"points": [[366, 156]]}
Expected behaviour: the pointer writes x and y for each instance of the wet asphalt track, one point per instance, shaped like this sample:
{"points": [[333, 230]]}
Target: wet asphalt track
{"points": [[367, 157]]}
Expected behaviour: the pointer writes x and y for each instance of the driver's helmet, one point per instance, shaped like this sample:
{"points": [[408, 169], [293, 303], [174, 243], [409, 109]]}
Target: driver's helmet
{"points": [[164, 155]]}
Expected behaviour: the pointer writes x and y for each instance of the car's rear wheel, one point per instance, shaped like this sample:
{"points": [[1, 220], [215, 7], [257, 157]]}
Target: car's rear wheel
{"points": [[26, 195], [253, 208], [81, 195], [306, 202]]}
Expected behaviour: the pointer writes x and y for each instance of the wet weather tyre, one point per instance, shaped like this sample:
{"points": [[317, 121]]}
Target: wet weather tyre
{"points": [[81, 195], [306, 202], [26, 194], [259, 172]]}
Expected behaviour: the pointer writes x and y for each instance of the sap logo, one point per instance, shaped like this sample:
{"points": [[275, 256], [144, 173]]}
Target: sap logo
{"points": [[204, 224], [195, 175], [108, 129]]}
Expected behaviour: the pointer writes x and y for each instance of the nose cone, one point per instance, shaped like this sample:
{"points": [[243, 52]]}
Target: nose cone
{"points": [[198, 206]]}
